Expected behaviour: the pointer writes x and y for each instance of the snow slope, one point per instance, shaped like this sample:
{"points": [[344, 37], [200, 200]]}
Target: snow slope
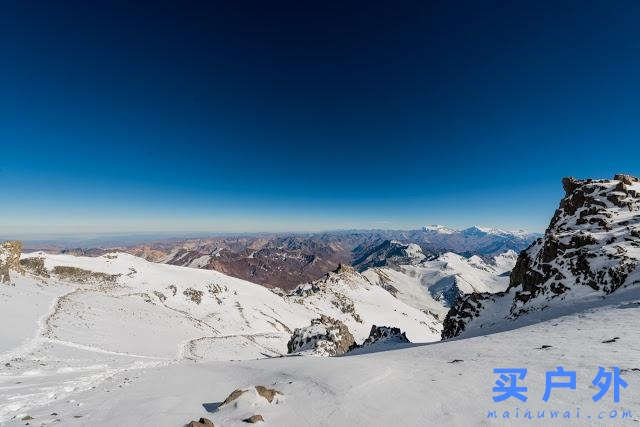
{"points": [[74, 322], [441, 384], [352, 298], [434, 285]]}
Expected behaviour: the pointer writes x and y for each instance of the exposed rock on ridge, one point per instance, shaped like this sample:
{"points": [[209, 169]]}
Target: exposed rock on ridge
{"points": [[324, 337], [592, 244]]}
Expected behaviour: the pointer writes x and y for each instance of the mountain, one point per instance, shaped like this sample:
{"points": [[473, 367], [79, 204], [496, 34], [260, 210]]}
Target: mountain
{"points": [[76, 374], [476, 240], [351, 297], [590, 250], [433, 285], [287, 260], [389, 252]]}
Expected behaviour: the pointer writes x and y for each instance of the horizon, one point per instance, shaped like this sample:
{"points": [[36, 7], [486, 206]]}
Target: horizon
{"points": [[151, 236], [124, 118]]}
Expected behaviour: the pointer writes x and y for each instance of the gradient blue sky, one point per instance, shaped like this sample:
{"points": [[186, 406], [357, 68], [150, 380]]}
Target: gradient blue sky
{"points": [[262, 116]]}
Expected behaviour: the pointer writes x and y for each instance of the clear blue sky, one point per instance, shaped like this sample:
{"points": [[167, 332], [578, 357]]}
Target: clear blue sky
{"points": [[302, 116]]}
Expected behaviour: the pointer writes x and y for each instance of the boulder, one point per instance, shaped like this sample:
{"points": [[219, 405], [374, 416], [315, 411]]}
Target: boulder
{"points": [[203, 422], [267, 393], [324, 337]]}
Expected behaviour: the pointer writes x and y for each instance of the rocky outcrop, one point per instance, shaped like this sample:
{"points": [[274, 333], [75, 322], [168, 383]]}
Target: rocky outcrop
{"points": [[592, 245], [328, 289], [254, 419], [204, 422], [267, 393], [10, 252], [35, 265], [466, 309], [233, 396], [324, 337], [383, 335], [80, 275]]}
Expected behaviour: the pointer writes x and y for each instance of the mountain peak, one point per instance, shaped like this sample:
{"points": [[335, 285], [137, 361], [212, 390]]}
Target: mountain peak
{"points": [[441, 229]]}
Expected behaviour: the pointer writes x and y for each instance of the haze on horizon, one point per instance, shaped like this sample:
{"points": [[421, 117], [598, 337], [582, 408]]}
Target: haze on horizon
{"points": [[256, 117]]}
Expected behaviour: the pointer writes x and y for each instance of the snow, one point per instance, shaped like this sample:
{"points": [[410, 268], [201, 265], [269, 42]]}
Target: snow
{"points": [[431, 285], [441, 229], [60, 338], [105, 354], [416, 385]]}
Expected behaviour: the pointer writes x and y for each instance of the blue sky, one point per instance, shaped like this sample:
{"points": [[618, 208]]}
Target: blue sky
{"points": [[256, 117]]}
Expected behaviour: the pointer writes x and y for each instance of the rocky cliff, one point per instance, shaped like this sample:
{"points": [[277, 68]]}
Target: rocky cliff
{"points": [[591, 247]]}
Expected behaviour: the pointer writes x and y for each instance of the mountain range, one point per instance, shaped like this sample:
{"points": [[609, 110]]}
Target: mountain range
{"points": [[116, 339], [287, 260]]}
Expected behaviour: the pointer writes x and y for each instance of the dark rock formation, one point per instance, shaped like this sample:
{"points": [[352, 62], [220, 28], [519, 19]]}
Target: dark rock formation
{"points": [[382, 334]]}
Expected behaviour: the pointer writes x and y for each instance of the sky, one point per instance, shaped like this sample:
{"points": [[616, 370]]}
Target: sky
{"points": [[272, 116]]}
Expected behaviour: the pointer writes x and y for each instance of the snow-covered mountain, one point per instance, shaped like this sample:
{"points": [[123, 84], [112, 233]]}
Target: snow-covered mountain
{"points": [[119, 310], [590, 250], [474, 240], [433, 285], [289, 259], [48, 381], [389, 252], [351, 297]]}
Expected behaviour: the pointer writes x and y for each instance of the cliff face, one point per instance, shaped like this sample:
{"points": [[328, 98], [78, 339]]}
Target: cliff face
{"points": [[9, 259], [592, 245]]}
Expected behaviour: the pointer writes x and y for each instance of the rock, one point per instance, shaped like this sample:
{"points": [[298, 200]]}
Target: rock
{"points": [[35, 266], [254, 419], [267, 393], [383, 334], [324, 337], [10, 252], [233, 396], [625, 179], [203, 422]]}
